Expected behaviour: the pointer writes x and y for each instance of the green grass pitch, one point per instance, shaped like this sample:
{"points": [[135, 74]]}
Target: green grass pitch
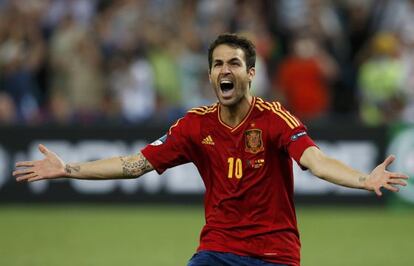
{"points": [[59, 235]]}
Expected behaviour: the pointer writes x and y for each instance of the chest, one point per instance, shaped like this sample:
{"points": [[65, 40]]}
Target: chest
{"points": [[236, 154]]}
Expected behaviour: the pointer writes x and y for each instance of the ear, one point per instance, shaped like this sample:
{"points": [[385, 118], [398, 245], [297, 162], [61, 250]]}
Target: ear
{"points": [[209, 76], [251, 73]]}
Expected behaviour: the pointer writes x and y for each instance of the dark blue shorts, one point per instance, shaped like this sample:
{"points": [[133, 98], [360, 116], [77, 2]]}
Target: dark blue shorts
{"points": [[212, 258]]}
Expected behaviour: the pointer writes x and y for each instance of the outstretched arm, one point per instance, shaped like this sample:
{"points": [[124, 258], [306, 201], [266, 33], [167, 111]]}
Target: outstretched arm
{"points": [[336, 172], [51, 167]]}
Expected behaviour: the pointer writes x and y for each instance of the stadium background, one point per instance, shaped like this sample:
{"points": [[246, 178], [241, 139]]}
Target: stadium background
{"points": [[103, 78]]}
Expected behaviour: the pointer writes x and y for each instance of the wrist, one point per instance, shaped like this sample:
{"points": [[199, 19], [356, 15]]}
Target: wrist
{"points": [[362, 181], [71, 169]]}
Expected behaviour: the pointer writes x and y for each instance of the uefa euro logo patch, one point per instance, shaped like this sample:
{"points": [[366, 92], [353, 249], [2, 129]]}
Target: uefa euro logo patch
{"points": [[159, 141], [298, 135], [254, 141]]}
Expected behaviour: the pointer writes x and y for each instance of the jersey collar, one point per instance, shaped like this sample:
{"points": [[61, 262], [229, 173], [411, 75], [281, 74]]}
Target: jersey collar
{"points": [[233, 129]]}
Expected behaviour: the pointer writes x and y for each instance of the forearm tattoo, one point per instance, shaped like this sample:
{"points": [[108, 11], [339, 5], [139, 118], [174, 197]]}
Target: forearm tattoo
{"points": [[362, 179], [135, 165], [69, 169]]}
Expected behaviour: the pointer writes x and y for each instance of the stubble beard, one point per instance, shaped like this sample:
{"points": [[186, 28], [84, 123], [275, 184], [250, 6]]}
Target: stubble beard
{"points": [[233, 102]]}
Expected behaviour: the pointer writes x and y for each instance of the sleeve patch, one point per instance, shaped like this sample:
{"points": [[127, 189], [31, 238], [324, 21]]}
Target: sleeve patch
{"points": [[159, 141], [298, 135]]}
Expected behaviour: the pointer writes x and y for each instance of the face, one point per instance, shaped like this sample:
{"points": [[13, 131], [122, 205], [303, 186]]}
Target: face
{"points": [[229, 75]]}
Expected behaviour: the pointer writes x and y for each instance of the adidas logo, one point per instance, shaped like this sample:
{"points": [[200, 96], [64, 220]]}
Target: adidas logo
{"points": [[208, 140]]}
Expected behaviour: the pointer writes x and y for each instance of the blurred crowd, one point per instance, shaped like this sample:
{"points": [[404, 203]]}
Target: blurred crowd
{"points": [[134, 61]]}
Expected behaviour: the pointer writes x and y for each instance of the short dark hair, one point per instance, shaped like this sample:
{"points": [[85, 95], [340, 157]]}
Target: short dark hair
{"points": [[236, 41]]}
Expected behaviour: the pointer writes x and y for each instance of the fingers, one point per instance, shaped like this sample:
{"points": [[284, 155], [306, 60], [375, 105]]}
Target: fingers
{"points": [[391, 188], [391, 183], [25, 164], [43, 149], [32, 169], [34, 178], [397, 179], [27, 177], [377, 191], [399, 175], [389, 160], [397, 182], [23, 171], [24, 174]]}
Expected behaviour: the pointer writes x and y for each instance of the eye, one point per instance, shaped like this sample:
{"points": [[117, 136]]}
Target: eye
{"points": [[217, 64], [235, 63]]}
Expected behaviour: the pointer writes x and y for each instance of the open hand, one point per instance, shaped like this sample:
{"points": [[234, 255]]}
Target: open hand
{"points": [[48, 168], [381, 178]]}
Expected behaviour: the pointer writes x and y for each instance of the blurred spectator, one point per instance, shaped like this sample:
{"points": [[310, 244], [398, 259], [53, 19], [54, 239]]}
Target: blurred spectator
{"points": [[381, 78], [118, 26], [59, 111], [193, 68], [390, 15], [303, 79], [7, 110], [291, 14], [357, 29], [214, 17], [94, 61], [132, 85], [21, 54], [407, 55], [82, 11], [317, 17], [398, 17], [355, 14], [163, 57], [77, 69], [323, 21]]}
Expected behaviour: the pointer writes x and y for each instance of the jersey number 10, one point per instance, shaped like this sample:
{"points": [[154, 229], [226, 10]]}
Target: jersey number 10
{"points": [[235, 167]]}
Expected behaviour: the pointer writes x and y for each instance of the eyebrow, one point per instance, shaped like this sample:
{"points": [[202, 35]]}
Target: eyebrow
{"points": [[230, 60], [235, 59]]}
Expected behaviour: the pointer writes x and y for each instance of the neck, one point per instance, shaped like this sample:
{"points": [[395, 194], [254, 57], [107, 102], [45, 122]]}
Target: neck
{"points": [[233, 115]]}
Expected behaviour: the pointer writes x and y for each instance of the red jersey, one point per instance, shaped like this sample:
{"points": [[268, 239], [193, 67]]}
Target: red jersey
{"points": [[247, 172]]}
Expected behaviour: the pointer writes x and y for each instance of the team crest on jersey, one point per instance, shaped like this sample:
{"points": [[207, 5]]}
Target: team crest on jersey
{"points": [[254, 141]]}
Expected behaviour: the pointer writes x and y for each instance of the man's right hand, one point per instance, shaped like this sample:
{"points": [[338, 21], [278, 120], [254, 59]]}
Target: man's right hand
{"points": [[48, 168]]}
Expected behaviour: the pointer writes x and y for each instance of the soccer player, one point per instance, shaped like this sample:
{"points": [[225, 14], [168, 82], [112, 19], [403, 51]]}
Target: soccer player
{"points": [[243, 148]]}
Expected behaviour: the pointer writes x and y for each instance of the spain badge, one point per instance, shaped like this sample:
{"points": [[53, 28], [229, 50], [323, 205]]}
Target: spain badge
{"points": [[254, 142]]}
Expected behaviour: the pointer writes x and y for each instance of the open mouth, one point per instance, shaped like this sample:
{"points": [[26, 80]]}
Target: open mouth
{"points": [[226, 85]]}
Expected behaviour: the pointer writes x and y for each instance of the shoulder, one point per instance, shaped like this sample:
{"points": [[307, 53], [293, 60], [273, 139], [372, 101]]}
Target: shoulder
{"points": [[192, 119], [202, 110], [276, 112]]}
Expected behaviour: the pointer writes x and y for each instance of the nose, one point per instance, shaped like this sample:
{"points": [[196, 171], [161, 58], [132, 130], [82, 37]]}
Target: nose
{"points": [[225, 69]]}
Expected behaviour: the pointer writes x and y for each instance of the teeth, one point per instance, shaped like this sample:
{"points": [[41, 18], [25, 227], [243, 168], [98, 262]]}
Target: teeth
{"points": [[226, 85]]}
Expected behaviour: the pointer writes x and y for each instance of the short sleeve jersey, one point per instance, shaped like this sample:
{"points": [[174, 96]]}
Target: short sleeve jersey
{"points": [[247, 172]]}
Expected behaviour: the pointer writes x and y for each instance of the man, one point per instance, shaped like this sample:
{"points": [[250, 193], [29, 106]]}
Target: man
{"points": [[242, 147]]}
